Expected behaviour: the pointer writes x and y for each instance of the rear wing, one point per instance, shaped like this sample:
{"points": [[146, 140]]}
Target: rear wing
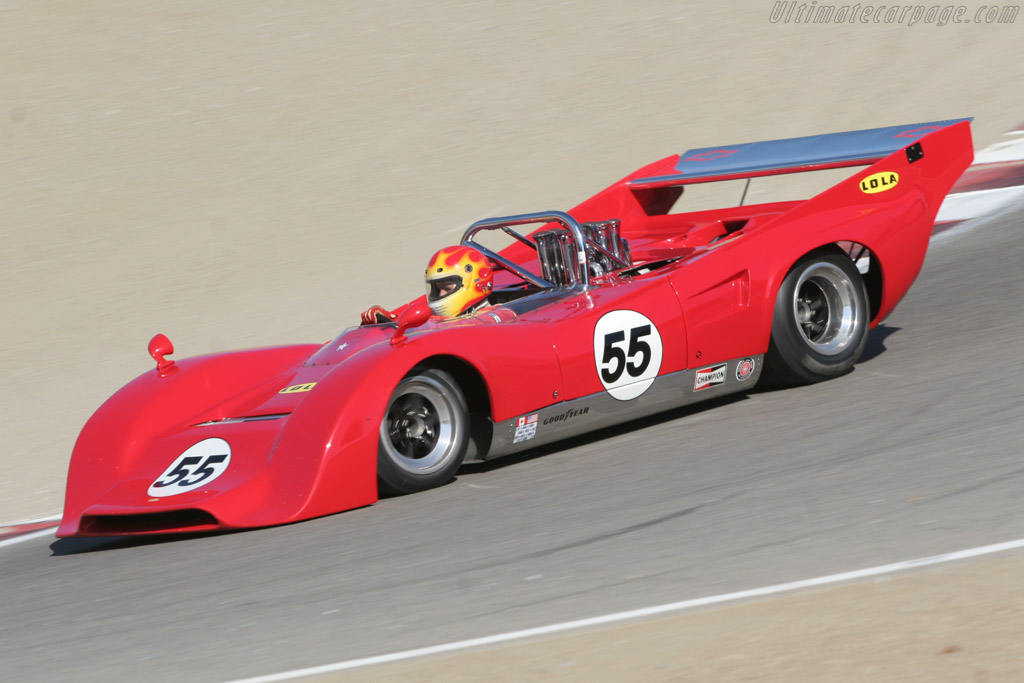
{"points": [[791, 155]]}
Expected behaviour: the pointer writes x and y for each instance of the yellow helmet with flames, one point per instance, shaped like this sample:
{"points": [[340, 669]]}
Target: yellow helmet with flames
{"points": [[458, 278]]}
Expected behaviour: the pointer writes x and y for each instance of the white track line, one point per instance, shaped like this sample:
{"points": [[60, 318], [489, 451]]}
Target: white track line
{"points": [[28, 537], [638, 613]]}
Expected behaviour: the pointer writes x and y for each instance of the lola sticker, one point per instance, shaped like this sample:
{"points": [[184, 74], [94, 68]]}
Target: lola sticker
{"points": [[710, 377], [879, 182], [299, 388], [199, 465], [526, 428], [744, 369]]}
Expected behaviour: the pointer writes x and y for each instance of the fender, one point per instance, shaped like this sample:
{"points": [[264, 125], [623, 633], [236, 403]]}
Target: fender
{"points": [[114, 439], [842, 213], [869, 216], [337, 425]]}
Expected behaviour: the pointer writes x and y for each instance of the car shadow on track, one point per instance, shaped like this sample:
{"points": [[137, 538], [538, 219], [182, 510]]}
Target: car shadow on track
{"points": [[875, 347], [876, 342], [602, 434], [77, 546]]}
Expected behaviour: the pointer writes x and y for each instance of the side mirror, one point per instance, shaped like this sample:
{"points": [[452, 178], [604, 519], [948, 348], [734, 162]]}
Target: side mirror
{"points": [[414, 316], [160, 346]]}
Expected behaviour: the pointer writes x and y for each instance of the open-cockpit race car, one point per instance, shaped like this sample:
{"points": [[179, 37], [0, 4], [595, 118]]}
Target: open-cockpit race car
{"points": [[619, 308]]}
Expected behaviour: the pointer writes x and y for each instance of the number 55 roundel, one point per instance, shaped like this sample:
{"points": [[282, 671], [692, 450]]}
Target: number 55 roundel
{"points": [[197, 466], [627, 351]]}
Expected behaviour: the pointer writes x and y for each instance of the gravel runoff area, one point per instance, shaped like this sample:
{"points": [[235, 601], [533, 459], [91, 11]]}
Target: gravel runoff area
{"points": [[953, 623]]}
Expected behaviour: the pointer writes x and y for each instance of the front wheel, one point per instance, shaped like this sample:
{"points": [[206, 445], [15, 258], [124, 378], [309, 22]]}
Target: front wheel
{"points": [[424, 434], [820, 325]]}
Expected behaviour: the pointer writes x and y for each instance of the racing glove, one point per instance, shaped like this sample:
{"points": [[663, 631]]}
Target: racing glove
{"points": [[374, 315]]}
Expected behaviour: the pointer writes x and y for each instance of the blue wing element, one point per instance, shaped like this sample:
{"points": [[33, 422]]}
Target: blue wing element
{"points": [[794, 154]]}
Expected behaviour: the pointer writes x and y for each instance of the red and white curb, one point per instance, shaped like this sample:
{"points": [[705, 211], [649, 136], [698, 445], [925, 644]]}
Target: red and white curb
{"points": [[994, 181], [16, 532]]}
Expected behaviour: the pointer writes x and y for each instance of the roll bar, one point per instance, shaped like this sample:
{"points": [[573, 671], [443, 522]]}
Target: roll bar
{"points": [[503, 223]]}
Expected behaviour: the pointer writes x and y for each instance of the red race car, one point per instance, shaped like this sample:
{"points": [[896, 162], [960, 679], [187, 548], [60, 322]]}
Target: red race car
{"points": [[619, 308]]}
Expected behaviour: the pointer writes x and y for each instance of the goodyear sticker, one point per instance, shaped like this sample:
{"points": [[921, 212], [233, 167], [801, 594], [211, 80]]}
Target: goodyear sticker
{"points": [[297, 388], [879, 182]]}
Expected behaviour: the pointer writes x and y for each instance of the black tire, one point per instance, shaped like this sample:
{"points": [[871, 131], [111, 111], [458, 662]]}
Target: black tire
{"points": [[820, 324], [424, 434]]}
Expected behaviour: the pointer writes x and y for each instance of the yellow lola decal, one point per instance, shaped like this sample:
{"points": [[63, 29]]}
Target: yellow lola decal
{"points": [[297, 388], [879, 182]]}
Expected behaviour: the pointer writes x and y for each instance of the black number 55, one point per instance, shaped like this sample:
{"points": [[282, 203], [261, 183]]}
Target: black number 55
{"points": [[179, 475], [634, 359]]}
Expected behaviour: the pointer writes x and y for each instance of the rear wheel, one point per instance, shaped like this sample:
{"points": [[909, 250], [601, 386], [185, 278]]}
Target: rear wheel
{"points": [[424, 433], [821, 320]]}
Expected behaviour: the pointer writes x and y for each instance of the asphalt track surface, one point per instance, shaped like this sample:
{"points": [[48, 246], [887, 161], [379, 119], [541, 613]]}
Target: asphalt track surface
{"points": [[917, 452]]}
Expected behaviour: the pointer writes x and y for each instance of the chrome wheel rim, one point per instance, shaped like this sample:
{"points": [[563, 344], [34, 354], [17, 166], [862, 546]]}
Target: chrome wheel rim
{"points": [[826, 308], [419, 431]]}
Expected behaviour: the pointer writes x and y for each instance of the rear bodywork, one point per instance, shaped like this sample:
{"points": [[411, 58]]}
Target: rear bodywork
{"points": [[300, 424]]}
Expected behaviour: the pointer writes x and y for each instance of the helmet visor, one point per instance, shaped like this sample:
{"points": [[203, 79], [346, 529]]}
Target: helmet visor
{"points": [[443, 286]]}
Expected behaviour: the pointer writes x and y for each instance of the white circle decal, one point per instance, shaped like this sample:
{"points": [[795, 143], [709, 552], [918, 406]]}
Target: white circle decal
{"points": [[197, 466], [627, 351]]}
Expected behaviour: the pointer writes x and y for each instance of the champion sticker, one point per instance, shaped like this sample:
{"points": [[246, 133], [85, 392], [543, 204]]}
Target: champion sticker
{"points": [[627, 353], [744, 369], [299, 388], [710, 377], [199, 465], [526, 428]]}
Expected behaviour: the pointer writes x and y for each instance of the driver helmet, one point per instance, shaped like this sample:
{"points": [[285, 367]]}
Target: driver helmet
{"points": [[457, 278]]}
